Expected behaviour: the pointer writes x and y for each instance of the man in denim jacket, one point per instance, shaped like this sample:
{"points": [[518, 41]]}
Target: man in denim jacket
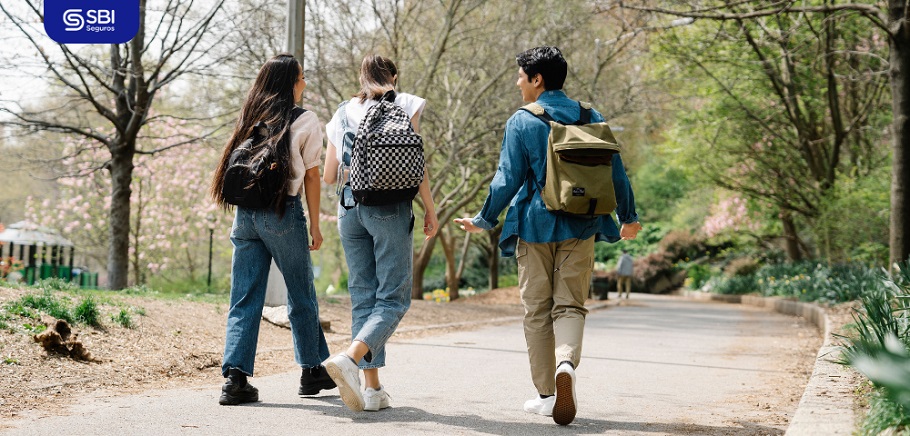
{"points": [[555, 253]]}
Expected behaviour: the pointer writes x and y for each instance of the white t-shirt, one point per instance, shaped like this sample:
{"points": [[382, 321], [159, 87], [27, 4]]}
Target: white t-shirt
{"points": [[355, 111], [306, 140]]}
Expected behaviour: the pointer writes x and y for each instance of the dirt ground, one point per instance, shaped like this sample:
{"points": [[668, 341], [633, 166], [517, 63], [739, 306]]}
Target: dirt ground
{"points": [[180, 343]]}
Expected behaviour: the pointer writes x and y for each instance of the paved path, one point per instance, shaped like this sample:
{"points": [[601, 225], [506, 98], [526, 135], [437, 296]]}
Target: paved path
{"points": [[660, 365]]}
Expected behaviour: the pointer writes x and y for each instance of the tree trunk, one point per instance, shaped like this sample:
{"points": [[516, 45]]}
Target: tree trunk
{"points": [[448, 248], [791, 238], [900, 97], [121, 168], [421, 260], [494, 256]]}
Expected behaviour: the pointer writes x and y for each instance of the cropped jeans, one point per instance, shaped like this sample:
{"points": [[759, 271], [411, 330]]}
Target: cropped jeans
{"points": [[377, 243], [258, 236]]}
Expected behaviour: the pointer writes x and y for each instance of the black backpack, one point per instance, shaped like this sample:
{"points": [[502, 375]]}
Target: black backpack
{"points": [[252, 179], [387, 162]]}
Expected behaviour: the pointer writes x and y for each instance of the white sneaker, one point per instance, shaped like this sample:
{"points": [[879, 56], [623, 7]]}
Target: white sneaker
{"points": [[566, 405], [540, 406], [346, 375], [375, 399]]}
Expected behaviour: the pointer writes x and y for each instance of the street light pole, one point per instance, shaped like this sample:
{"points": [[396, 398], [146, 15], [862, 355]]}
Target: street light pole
{"points": [[211, 237], [296, 19]]}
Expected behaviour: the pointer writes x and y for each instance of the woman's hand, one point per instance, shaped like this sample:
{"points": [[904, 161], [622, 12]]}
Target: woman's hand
{"points": [[430, 225], [315, 238]]}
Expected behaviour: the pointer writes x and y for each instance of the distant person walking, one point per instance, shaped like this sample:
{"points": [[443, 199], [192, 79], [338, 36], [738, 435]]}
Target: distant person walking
{"points": [[278, 232], [377, 239], [624, 272], [555, 253]]}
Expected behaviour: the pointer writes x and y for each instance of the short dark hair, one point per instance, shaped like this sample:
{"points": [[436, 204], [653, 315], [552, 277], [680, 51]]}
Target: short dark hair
{"points": [[546, 61]]}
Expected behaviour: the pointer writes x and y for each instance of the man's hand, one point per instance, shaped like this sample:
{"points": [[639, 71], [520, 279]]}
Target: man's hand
{"points": [[467, 225], [430, 225], [629, 231]]}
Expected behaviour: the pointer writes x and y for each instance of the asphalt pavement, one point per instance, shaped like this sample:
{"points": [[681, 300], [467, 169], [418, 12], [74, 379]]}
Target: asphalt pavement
{"points": [[658, 365]]}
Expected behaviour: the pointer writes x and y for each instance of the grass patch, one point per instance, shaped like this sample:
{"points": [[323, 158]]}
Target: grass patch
{"points": [[884, 415], [10, 360], [45, 302], [123, 319], [87, 312]]}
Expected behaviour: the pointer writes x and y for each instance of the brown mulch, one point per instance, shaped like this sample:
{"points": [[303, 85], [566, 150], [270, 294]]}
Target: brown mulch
{"points": [[180, 343]]}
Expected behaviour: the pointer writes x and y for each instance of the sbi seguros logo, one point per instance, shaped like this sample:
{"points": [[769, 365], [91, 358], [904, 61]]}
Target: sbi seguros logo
{"points": [[91, 21]]}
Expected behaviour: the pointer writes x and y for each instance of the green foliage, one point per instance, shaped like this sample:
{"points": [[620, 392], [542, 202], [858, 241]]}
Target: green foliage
{"points": [[818, 282], [698, 274], [123, 319], [742, 266], [853, 222], [56, 284], [87, 312], [805, 281], [736, 285], [883, 416], [879, 350], [34, 328], [10, 360], [45, 302], [646, 242], [659, 187]]}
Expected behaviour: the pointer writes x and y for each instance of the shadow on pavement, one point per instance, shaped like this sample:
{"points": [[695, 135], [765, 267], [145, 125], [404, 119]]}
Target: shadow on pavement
{"points": [[536, 425]]}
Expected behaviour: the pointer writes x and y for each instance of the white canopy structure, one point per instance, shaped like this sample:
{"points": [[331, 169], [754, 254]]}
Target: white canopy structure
{"points": [[27, 233]]}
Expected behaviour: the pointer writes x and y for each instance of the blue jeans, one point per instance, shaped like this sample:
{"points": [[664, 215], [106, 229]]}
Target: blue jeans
{"points": [[258, 236], [377, 243]]}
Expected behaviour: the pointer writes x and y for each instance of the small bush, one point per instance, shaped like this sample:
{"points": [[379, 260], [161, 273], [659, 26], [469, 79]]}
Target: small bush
{"points": [[681, 244], [736, 285], [45, 302], [742, 266], [698, 274], [123, 319], [87, 312]]}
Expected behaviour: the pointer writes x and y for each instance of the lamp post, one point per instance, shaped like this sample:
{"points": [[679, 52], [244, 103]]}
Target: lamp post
{"points": [[211, 219]]}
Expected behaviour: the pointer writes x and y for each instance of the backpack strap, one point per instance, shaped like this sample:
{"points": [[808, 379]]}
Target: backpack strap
{"points": [[538, 111], [584, 110]]}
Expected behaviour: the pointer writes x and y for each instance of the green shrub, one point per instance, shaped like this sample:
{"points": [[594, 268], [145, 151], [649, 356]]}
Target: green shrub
{"points": [[742, 266], [682, 244], [87, 312], [45, 302], [698, 274], [123, 319], [879, 350], [736, 285]]}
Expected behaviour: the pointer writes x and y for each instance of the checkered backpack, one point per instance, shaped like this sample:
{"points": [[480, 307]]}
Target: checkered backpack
{"points": [[387, 161]]}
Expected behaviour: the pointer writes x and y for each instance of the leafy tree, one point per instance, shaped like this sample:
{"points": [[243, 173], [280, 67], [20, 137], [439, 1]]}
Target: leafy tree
{"points": [[786, 103], [890, 20], [117, 87]]}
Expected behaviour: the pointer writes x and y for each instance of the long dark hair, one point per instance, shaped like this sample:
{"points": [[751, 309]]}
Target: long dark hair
{"points": [[270, 100]]}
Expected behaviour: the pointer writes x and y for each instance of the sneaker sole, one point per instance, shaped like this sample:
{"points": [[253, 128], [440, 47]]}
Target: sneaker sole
{"points": [[349, 396], [315, 389], [233, 401], [564, 409]]}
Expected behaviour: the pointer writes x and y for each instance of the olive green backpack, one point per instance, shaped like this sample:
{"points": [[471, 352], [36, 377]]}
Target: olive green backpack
{"points": [[579, 179]]}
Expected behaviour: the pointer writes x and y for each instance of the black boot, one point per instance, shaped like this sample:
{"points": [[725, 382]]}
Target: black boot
{"points": [[315, 379], [236, 390]]}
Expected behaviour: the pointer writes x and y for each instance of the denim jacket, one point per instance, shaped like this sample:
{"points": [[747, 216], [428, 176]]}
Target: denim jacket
{"points": [[522, 170]]}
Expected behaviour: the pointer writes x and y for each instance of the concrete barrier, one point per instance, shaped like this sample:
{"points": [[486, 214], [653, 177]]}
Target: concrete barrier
{"points": [[826, 406]]}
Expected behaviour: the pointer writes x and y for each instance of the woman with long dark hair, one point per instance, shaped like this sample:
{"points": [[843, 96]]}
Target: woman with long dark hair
{"points": [[377, 241], [277, 232]]}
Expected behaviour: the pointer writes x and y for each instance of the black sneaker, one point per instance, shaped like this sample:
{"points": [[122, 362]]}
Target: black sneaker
{"points": [[236, 390], [315, 379]]}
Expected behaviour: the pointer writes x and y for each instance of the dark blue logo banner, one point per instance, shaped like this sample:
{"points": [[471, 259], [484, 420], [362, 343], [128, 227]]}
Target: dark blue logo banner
{"points": [[91, 21]]}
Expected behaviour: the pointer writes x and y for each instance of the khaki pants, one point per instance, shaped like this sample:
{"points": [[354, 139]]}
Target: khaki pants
{"points": [[554, 280], [623, 282]]}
